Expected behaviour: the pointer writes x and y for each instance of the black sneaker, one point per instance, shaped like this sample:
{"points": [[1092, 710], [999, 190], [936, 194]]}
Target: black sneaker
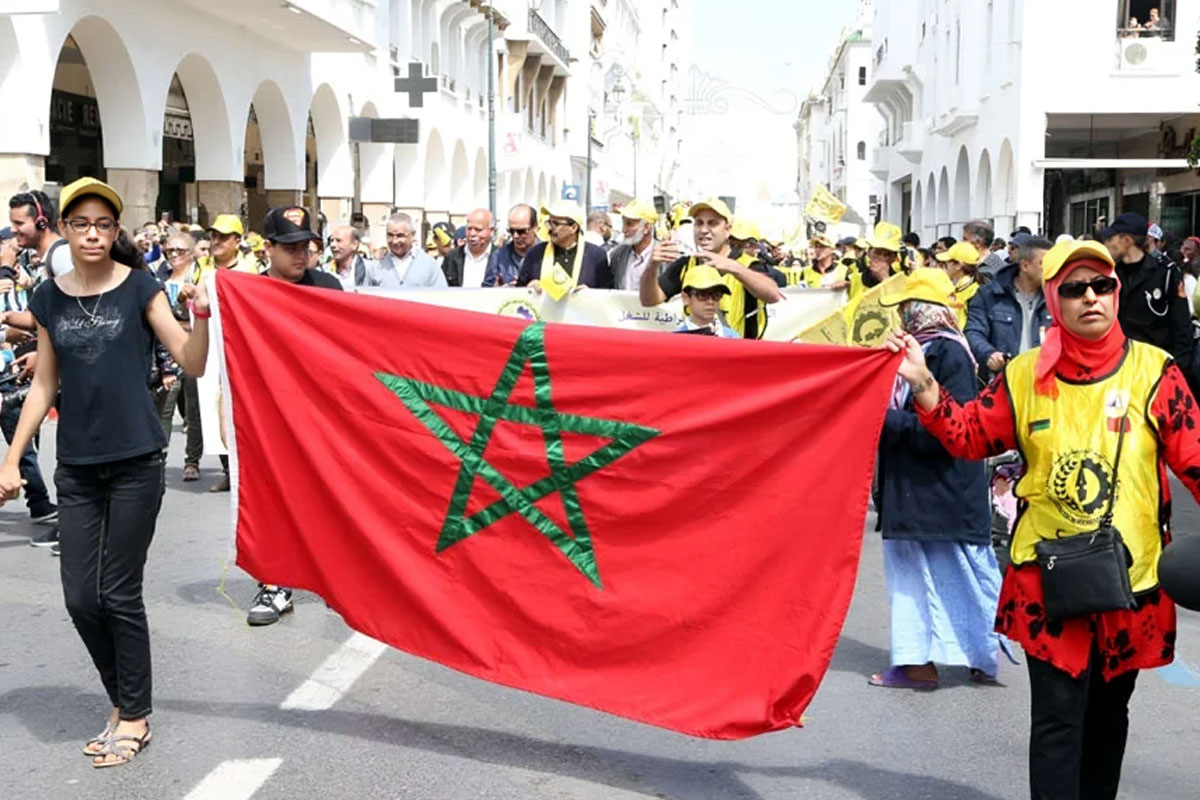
{"points": [[47, 539], [46, 517], [269, 605], [55, 550]]}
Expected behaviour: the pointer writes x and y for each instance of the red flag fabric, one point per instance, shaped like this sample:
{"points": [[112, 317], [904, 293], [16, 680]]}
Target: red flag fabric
{"points": [[666, 528]]}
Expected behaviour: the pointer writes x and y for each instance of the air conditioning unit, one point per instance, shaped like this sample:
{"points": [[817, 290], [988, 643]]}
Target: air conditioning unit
{"points": [[1142, 54]]}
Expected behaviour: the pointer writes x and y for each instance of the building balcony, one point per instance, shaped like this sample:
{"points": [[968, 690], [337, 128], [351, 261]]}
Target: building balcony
{"points": [[912, 141], [312, 26], [550, 43], [955, 120], [880, 162]]}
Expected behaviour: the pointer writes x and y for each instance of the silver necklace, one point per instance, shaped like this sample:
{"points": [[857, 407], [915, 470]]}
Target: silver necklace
{"points": [[93, 319]]}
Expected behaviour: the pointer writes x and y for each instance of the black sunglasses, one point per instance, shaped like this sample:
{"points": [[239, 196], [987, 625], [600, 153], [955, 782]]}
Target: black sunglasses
{"points": [[519, 231], [1077, 289]]}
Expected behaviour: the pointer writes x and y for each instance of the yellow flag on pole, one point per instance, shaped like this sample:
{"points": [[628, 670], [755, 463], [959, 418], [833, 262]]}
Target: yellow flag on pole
{"points": [[823, 205]]}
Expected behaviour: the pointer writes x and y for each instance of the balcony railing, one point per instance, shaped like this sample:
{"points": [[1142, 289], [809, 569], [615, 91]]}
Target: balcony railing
{"points": [[541, 29]]}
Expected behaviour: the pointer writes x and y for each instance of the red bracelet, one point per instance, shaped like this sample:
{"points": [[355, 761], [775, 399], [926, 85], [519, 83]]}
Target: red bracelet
{"points": [[197, 313]]}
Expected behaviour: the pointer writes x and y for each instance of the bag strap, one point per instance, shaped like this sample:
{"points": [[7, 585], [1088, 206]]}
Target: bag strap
{"points": [[1107, 521]]}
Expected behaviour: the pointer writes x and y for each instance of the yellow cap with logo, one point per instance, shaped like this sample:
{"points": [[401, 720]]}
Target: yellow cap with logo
{"points": [[85, 187], [1064, 253], [227, 224], [714, 204], [925, 284], [887, 237], [744, 230], [702, 276], [564, 210], [820, 240], [255, 242], [962, 252], [639, 209]]}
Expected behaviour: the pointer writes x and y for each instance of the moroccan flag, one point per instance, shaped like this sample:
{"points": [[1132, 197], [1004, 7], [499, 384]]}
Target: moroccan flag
{"points": [[661, 527]]}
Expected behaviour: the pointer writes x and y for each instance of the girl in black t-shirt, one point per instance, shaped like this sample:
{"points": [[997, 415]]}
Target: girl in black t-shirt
{"points": [[96, 333]]}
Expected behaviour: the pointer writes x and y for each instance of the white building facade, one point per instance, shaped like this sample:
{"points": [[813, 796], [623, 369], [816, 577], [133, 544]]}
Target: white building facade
{"points": [[1046, 115], [838, 131], [202, 107]]}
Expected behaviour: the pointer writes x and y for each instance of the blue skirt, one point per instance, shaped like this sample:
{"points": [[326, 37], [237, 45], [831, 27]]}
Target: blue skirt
{"points": [[943, 599]]}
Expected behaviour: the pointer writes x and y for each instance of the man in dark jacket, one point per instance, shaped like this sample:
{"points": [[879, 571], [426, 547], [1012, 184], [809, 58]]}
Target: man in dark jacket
{"points": [[1154, 305], [566, 237], [1007, 316]]}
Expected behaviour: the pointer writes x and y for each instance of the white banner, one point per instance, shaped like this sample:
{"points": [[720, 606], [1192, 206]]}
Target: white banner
{"points": [[800, 309]]}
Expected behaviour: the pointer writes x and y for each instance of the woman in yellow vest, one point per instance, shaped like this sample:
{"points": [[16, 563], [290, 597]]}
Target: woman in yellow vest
{"points": [[960, 264], [1068, 406]]}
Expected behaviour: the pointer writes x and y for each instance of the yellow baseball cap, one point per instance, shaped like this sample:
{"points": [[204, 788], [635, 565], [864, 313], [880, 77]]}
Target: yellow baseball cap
{"points": [[564, 210], [714, 204], [227, 224], [255, 242], [821, 240], [887, 237], [924, 284], [702, 276], [85, 187], [1064, 253], [962, 252], [744, 230], [638, 209]]}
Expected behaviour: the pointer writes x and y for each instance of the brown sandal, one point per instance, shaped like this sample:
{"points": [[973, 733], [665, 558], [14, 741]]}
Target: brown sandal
{"points": [[122, 747]]}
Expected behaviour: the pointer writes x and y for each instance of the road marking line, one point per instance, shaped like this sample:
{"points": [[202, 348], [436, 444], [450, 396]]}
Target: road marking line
{"points": [[1180, 673], [235, 780], [335, 676]]}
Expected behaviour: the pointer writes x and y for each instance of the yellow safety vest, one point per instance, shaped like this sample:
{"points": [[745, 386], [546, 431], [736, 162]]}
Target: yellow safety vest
{"points": [[816, 280], [793, 275], [966, 289], [1070, 444], [207, 264]]}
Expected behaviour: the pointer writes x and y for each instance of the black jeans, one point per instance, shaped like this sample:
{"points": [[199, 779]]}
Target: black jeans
{"points": [[37, 497], [1079, 727], [107, 514], [189, 398]]}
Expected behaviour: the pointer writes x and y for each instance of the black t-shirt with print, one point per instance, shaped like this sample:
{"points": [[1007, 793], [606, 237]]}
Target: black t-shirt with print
{"points": [[104, 348]]}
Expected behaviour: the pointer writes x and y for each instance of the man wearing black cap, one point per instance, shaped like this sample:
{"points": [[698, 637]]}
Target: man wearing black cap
{"points": [[288, 231], [1154, 306]]}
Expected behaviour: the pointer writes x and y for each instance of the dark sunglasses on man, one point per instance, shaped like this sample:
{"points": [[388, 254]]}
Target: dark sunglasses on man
{"points": [[1077, 289]]}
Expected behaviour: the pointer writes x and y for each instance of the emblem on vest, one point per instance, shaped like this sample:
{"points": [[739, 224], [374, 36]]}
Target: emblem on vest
{"points": [[1079, 486]]}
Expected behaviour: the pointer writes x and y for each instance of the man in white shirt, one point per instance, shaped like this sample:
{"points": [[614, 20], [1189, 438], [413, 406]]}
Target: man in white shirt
{"points": [[348, 265], [467, 265], [630, 258]]}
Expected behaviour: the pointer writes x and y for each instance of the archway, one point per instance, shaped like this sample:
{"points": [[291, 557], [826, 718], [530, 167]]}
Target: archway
{"points": [[931, 219], [271, 156], [460, 190], [1005, 188], [95, 81], [529, 188], [197, 143], [437, 187], [983, 187], [376, 180], [962, 188], [541, 190], [481, 181], [334, 168], [943, 203], [515, 189], [554, 196]]}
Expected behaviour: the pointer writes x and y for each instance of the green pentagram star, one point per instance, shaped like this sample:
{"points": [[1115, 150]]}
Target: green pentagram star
{"points": [[530, 348]]}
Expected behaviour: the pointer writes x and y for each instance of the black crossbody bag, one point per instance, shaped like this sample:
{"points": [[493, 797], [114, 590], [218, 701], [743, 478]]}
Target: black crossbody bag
{"points": [[1088, 573]]}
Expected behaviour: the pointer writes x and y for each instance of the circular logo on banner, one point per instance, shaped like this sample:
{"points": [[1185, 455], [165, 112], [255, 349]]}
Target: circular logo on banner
{"points": [[870, 327], [1079, 485], [519, 308], [560, 276]]}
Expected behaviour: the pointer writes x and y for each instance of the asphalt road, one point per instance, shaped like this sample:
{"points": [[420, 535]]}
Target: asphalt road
{"points": [[233, 721]]}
